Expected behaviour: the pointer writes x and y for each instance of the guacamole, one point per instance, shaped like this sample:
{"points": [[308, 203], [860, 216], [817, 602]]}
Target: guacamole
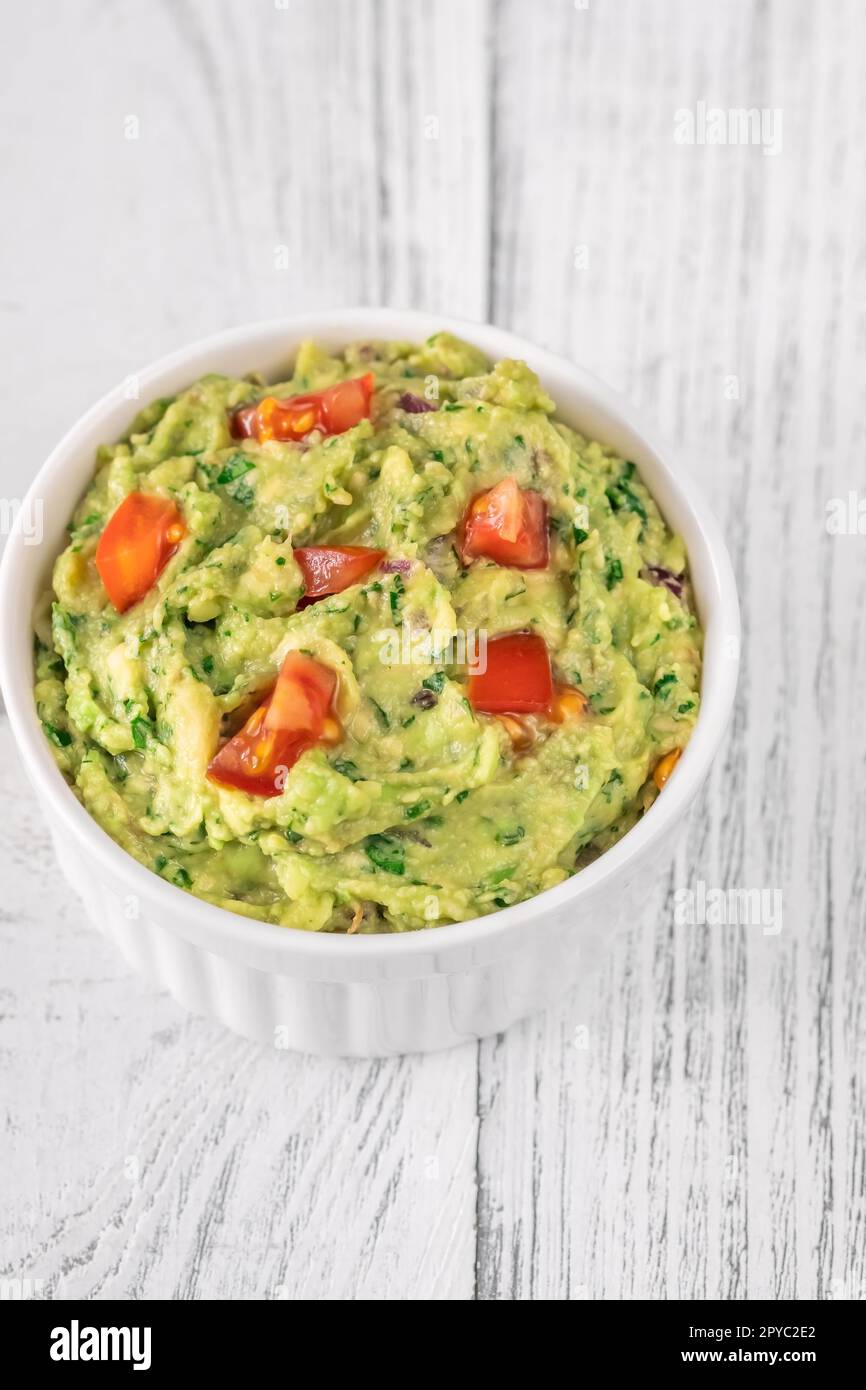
{"points": [[462, 629]]}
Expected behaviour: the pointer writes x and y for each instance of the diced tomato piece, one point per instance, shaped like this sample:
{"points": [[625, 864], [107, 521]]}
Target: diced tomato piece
{"points": [[517, 679], [346, 404], [302, 695], [508, 524], [330, 569], [295, 716], [293, 418], [136, 545], [332, 411], [250, 761]]}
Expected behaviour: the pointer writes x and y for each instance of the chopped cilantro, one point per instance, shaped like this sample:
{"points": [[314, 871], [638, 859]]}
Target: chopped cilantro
{"points": [[510, 837], [61, 737], [623, 498], [386, 853], [243, 493], [141, 729], [613, 572], [498, 876], [397, 591], [380, 714], [234, 468], [663, 682], [347, 768]]}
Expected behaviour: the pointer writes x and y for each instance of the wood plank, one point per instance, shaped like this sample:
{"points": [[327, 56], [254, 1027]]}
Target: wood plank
{"points": [[180, 1161], [709, 1142]]}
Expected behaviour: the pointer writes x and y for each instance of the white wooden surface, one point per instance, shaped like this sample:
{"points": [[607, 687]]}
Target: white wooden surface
{"points": [[691, 1121]]}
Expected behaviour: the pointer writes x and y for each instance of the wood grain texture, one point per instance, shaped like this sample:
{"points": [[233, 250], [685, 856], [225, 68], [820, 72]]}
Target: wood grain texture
{"points": [[715, 1148], [691, 1121], [281, 162]]}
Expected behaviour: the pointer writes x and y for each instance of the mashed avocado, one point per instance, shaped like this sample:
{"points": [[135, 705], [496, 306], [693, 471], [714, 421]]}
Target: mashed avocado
{"points": [[422, 809]]}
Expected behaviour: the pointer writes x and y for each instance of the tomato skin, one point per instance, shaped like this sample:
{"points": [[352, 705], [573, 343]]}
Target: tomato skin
{"points": [[290, 419], [332, 411], [291, 720], [249, 761], [139, 540], [346, 404], [517, 679], [302, 695], [328, 569], [507, 524]]}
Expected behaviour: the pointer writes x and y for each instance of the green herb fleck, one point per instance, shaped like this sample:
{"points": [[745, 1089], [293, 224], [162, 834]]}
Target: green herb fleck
{"points": [[61, 737], [141, 730], [510, 837], [380, 714], [397, 591], [386, 853], [347, 768], [243, 493], [622, 497], [234, 468], [613, 572]]}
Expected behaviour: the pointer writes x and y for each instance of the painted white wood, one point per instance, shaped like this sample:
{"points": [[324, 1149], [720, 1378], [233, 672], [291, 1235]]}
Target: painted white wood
{"points": [[691, 1121], [281, 163], [710, 1140]]}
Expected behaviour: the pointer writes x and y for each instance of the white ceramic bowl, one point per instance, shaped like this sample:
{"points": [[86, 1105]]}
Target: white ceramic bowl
{"points": [[358, 995]]}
